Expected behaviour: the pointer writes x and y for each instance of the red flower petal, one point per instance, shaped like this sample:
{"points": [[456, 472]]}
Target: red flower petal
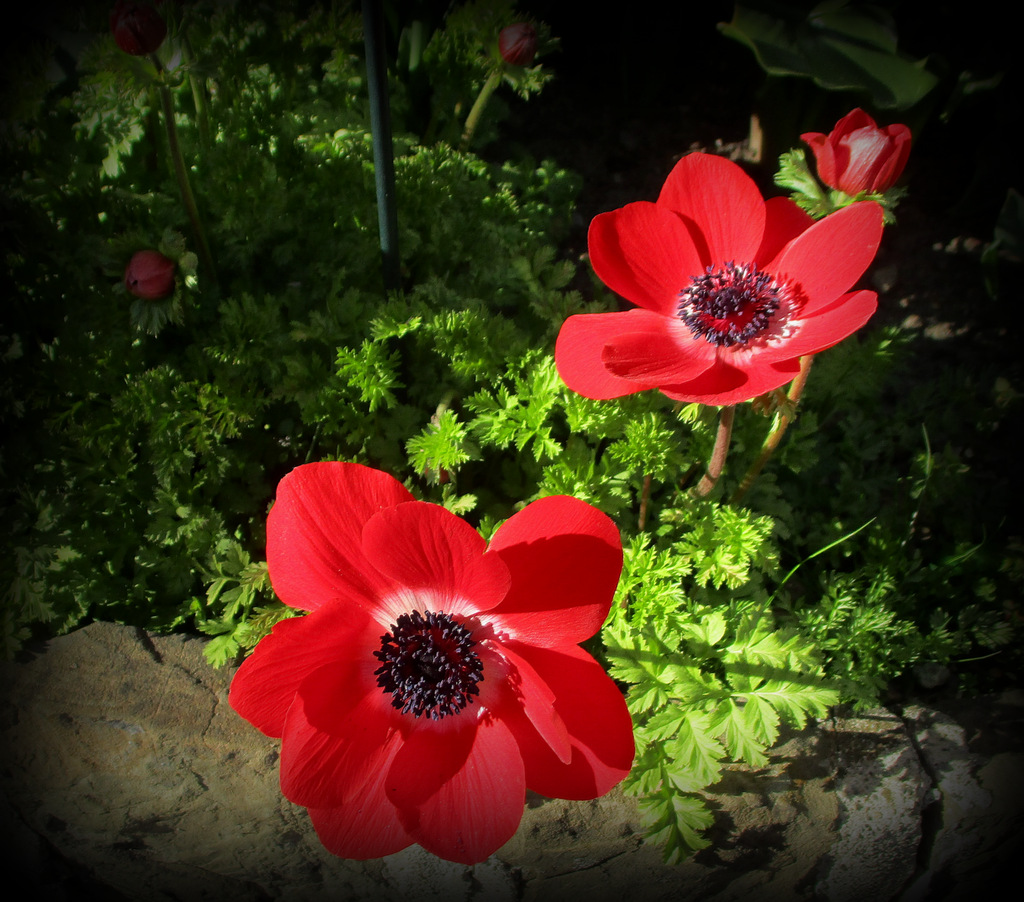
{"points": [[265, 685], [433, 754], [367, 827], [824, 156], [565, 558], [427, 549], [865, 149], [598, 721], [828, 327], [722, 201], [657, 358], [644, 252], [832, 254], [314, 532], [853, 120], [784, 220], [339, 732], [459, 790], [895, 162], [726, 384], [579, 347], [512, 689]]}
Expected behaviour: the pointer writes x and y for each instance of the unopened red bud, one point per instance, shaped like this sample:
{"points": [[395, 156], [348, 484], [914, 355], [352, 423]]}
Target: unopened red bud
{"points": [[138, 28], [518, 44], [150, 275], [857, 156]]}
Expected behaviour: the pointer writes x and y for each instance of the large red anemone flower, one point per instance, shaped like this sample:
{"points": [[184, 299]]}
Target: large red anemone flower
{"points": [[731, 290], [435, 677]]}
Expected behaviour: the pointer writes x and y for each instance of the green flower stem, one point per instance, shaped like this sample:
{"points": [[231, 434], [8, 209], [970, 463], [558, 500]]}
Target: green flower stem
{"points": [[198, 96], [473, 119], [783, 419], [718, 454], [383, 149], [181, 174]]}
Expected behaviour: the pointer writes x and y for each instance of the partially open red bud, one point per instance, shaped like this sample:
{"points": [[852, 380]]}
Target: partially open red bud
{"points": [[137, 27], [150, 275], [518, 44]]}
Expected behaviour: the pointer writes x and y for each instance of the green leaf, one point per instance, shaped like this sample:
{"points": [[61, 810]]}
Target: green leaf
{"points": [[709, 629], [650, 587], [839, 46], [797, 701], [518, 414], [762, 720], [724, 544], [738, 734], [221, 649], [675, 822], [695, 753], [441, 448], [373, 371], [808, 192]]}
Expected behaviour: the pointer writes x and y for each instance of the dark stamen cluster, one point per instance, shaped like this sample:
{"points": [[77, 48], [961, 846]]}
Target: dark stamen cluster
{"points": [[729, 306], [428, 665]]}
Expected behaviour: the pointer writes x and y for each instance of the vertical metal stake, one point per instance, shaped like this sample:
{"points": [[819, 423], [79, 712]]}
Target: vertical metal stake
{"points": [[383, 152]]}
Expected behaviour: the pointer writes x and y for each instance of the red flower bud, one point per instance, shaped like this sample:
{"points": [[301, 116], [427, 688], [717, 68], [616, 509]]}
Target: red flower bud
{"points": [[859, 156], [137, 28], [518, 44], [150, 275]]}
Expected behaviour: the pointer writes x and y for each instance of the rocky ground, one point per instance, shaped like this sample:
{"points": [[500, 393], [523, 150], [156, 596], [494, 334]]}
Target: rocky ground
{"points": [[126, 775]]}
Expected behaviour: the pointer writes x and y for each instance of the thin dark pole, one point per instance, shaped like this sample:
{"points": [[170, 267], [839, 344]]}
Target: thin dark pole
{"points": [[383, 153]]}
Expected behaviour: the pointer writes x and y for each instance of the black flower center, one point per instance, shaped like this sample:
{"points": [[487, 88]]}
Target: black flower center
{"points": [[428, 665], [729, 306]]}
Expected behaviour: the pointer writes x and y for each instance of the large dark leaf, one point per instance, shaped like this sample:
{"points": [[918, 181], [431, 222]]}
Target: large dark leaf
{"points": [[840, 46]]}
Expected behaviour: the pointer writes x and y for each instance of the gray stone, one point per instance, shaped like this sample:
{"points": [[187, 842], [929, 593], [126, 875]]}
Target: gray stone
{"points": [[881, 789], [975, 819], [125, 774]]}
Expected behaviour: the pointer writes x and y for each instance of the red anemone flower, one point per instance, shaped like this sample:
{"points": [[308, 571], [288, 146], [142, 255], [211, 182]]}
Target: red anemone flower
{"points": [[731, 290], [857, 156], [435, 677]]}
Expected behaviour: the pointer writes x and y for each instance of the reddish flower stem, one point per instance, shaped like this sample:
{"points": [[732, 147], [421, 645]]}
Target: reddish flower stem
{"points": [[718, 454], [796, 389], [645, 495]]}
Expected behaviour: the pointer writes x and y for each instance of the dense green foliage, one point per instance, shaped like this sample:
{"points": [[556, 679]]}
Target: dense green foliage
{"points": [[145, 439]]}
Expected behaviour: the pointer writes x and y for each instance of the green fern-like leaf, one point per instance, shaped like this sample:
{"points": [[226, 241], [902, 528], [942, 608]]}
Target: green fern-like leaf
{"points": [[441, 448], [651, 583], [738, 734], [708, 685], [695, 752], [675, 822], [373, 371], [725, 543], [517, 414], [796, 702]]}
